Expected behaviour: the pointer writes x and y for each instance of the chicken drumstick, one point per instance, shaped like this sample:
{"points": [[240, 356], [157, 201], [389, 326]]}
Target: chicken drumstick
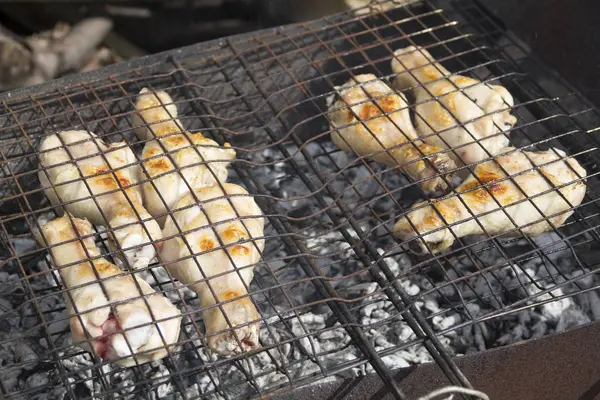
{"points": [[197, 161], [552, 168], [112, 336], [212, 261], [86, 156], [471, 110], [386, 131]]}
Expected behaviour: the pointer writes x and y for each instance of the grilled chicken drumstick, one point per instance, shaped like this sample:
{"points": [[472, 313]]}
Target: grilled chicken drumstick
{"points": [[466, 110], [212, 261], [90, 157], [552, 168], [155, 115], [112, 336], [387, 129], [197, 161]]}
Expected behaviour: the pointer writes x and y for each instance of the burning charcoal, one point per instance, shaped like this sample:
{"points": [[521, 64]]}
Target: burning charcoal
{"points": [[360, 289], [539, 329], [553, 245], [328, 156], [9, 316], [394, 361], [36, 381], [403, 332], [464, 343], [58, 325], [25, 355], [593, 303], [479, 338], [207, 385], [444, 323], [173, 290], [396, 263], [369, 308], [570, 318], [555, 309], [473, 310], [516, 335], [271, 380], [272, 336], [485, 331], [24, 244], [365, 185], [379, 341], [337, 334], [10, 284], [585, 281], [312, 323], [300, 334], [379, 315], [10, 380], [410, 288], [431, 305]]}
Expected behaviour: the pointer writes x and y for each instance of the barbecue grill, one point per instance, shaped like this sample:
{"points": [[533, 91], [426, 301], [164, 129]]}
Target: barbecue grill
{"points": [[338, 295]]}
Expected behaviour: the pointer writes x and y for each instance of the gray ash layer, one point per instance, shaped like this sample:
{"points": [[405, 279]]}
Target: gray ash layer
{"points": [[307, 336]]}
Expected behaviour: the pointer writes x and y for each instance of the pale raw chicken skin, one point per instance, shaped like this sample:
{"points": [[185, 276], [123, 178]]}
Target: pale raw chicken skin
{"points": [[113, 186], [481, 199], [190, 161], [112, 334], [243, 242], [468, 116], [366, 99]]}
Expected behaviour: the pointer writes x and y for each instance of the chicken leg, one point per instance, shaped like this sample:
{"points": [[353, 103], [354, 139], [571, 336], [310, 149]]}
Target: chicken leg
{"points": [[228, 269], [386, 132], [112, 336], [554, 170], [86, 156], [468, 116], [196, 161], [155, 115]]}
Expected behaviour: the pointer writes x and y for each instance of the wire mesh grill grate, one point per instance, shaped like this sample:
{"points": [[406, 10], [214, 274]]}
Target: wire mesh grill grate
{"points": [[336, 293]]}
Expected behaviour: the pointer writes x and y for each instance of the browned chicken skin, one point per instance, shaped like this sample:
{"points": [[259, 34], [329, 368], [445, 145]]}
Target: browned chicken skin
{"points": [[229, 270], [520, 166], [468, 116], [132, 329], [193, 161], [386, 132], [200, 164], [109, 195]]}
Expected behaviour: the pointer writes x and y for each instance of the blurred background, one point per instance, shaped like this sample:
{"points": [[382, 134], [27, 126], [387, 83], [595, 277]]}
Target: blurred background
{"points": [[45, 39]]}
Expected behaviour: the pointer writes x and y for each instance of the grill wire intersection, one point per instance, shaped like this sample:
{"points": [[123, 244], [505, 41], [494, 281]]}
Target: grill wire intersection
{"points": [[337, 294]]}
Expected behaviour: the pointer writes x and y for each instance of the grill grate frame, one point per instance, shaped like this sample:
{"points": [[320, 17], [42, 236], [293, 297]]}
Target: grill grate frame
{"points": [[266, 91]]}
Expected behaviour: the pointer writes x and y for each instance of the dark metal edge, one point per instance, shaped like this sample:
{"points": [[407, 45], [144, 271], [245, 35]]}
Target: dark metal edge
{"points": [[564, 366]]}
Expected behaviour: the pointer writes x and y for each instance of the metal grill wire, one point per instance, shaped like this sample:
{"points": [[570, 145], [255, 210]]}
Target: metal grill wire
{"points": [[265, 94]]}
